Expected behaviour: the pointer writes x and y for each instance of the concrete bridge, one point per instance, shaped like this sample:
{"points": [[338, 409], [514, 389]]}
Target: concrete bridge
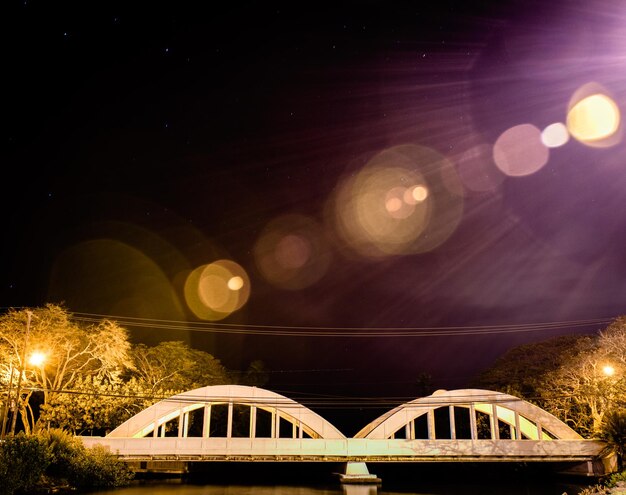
{"points": [[249, 424]]}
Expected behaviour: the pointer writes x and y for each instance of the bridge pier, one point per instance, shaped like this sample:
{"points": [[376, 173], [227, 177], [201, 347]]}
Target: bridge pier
{"points": [[357, 473]]}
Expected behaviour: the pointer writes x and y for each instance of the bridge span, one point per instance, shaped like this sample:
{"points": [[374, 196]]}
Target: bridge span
{"points": [[247, 424]]}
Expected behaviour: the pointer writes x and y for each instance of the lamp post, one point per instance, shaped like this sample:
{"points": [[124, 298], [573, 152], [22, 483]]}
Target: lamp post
{"points": [[38, 359], [16, 409]]}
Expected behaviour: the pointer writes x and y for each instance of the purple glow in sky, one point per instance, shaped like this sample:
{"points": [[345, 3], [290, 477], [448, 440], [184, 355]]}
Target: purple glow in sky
{"points": [[343, 157]]}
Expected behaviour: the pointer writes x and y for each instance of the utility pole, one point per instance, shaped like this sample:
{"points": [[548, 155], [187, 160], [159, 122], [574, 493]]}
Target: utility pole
{"points": [[16, 409], [5, 412]]}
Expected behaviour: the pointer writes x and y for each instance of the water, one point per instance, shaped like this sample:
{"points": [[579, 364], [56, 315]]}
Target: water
{"points": [[317, 479], [442, 489]]}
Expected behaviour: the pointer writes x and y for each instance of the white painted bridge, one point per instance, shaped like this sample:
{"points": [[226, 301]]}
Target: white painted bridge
{"points": [[239, 423]]}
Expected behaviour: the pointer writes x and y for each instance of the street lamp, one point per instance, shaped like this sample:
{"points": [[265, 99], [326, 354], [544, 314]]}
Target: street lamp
{"points": [[608, 370], [37, 358]]}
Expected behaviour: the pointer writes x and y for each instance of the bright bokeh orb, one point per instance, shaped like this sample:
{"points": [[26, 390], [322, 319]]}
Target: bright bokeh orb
{"points": [[216, 290], [235, 283], [404, 201], [416, 194], [520, 151], [594, 119], [396, 204], [292, 252], [555, 135]]}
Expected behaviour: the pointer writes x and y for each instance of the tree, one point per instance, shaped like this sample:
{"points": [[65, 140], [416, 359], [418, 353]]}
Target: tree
{"points": [[72, 352], [584, 389], [521, 370], [614, 432], [424, 384], [93, 379], [176, 366], [257, 375], [98, 406], [579, 379], [580, 393]]}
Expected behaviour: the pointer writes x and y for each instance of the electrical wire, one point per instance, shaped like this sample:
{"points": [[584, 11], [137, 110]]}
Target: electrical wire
{"points": [[313, 401], [349, 332]]}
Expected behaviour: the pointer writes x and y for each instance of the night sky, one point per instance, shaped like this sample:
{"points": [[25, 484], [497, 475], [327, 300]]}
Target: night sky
{"points": [[144, 139]]}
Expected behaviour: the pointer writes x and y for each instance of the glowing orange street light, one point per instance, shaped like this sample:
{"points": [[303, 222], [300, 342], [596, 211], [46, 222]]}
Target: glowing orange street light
{"points": [[37, 358], [608, 370]]}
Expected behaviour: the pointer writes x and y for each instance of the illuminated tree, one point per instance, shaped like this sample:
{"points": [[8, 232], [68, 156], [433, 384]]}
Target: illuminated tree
{"points": [[97, 405], [521, 370], [579, 379], [72, 352], [176, 366], [580, 393]]}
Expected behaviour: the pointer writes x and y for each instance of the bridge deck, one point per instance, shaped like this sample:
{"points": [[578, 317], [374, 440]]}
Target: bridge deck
{"points": [[348, 450]]}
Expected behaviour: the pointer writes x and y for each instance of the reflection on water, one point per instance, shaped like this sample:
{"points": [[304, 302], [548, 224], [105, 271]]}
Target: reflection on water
{"points": [[499, 488]]}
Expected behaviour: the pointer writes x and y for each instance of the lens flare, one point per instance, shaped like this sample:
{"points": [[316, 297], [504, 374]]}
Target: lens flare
{"points": [[396, 205], [415, 194], [235, 283], [292, 252], [403, 201], [555, 135], [216, 290], [593, 117], [519, 151], [477, 170]]}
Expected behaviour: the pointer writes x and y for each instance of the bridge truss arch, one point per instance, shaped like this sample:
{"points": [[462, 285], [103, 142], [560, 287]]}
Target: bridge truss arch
{"points": [[193, 413], [486, 415]]}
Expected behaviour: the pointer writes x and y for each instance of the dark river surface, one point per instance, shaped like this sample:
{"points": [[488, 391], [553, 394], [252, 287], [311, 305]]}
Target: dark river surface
{"points": [[435, 480]]}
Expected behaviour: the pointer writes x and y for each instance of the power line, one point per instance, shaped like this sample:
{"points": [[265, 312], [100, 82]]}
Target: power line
{"points": [[312, 401], [351, 332]]}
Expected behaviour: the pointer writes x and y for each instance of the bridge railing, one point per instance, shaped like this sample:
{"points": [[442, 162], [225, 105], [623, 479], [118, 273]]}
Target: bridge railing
{"points": [[348, 449]]}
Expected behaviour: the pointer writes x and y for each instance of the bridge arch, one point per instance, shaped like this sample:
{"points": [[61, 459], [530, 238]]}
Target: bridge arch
{"points": [[504, 416], [199, 405]]}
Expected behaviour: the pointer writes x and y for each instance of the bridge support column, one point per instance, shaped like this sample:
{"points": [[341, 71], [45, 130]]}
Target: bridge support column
{"points": [[252, 421], [357, 473]]}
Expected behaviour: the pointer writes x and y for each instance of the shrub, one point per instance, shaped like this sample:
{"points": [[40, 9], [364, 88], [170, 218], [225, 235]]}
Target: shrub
{"points": [[64, 450], [82, 467], [23, 460], [62, 458], [614, 431], [98, 468]]}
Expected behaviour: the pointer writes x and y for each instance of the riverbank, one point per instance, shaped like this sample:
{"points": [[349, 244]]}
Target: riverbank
{"points": [[55, 462]]}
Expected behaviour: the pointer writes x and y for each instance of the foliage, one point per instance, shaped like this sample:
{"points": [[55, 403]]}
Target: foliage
{"points": [[63, 448], [98, 468], [176, 366], [29, 461], [82, 467], [93, 379], [614, 431], [520, 371], [424, 384], [23, 460], [616, 478], [98, 405], [256, 375], [566, 376], [580, 392], [73, 351]]}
